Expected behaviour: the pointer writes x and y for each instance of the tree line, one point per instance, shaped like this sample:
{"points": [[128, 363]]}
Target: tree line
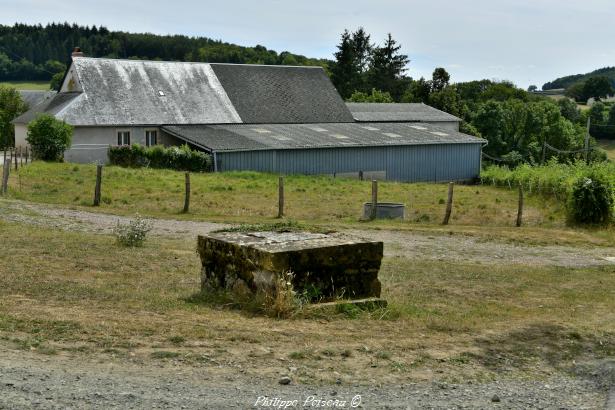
{"points": [[37, 52], [516, 123]]}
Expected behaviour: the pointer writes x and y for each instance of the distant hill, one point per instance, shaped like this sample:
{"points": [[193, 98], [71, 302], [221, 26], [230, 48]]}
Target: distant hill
{"points": [[565, 82], [36, 52]]}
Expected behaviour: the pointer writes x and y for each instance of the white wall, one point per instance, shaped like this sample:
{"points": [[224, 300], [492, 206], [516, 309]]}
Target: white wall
{"points": [[21, 132], [90, 144]]}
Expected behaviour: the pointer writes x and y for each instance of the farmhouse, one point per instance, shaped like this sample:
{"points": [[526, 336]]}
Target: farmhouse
{"points": [[278, 119]]}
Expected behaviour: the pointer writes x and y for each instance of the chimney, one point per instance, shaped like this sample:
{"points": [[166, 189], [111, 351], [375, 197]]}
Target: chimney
{"points": [[77, 52]]}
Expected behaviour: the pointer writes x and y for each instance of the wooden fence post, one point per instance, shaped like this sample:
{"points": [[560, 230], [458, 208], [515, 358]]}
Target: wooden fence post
{"points": [[15, 156], [374, 209], [187, 197], [27, 154], [20, 156], [280, 197], [360, 175], [98, 183], [520, 209], [6, 168], [449, 203]]}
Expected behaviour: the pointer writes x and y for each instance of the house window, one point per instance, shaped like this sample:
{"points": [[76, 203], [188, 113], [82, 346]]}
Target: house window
{"points": [[123, 138], [151, 138]]}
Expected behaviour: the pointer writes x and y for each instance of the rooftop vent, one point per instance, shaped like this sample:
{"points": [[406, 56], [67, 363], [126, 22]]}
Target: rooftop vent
{"points": [[418, 127], [161, 93], [441, 134], [370, 128], [261, 130]]}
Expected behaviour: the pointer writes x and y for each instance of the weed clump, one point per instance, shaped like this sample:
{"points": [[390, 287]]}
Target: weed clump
{"points": [[133, 233]]}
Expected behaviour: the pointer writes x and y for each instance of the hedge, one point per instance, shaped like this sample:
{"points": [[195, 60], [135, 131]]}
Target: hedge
{"points": [[179, 158]]}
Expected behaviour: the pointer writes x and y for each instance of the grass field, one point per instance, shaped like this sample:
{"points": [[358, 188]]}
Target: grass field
{"points": [[79, 293], [609, 147], [252, 197], [28, 85]]}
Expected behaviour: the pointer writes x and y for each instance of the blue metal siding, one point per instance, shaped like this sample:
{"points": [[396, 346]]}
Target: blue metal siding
{"points": [[411, 163]]}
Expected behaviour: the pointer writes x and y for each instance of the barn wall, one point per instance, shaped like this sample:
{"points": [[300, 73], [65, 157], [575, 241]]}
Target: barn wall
{"points": [[447, 125], [412, 163]]}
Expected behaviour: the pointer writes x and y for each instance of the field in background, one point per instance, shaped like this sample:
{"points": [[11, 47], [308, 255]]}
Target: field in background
{"points": [[33, 85], [79, 293], [609, 147], [252, 197]]}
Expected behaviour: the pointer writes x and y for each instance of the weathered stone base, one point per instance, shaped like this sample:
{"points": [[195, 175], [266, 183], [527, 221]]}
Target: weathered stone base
{"points": [[321, 267]]}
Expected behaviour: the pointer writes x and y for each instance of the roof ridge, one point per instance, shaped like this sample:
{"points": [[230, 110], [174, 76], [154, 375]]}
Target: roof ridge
{"points": [[195, 62]]}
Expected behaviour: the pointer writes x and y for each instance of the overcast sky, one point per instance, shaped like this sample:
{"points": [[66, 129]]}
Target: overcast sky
{"points": [[526, 41]]}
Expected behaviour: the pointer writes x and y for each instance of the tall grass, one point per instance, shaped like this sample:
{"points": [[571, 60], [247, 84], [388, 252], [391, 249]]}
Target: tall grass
{"points": [[553, 179]]}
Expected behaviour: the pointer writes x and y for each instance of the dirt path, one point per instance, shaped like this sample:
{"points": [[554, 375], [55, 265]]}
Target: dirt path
{"points": [[29, 380], [422, 245]]}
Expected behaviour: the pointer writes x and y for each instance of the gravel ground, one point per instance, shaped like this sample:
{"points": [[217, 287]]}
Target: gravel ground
{"points": [[29, 380], [424, 245]]}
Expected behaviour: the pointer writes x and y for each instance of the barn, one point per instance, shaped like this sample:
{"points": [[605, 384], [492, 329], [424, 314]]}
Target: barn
{"points": [[279, 119]]}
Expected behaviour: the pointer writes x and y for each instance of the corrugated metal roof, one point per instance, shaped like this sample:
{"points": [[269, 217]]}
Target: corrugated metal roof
{"points": [[34, 97], [282, 94], [54, 106], [385, 112], [244, 137]]}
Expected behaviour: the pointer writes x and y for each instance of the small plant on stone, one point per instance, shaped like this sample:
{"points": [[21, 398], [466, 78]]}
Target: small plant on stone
{"points": [[282, 302], [133, 233]]}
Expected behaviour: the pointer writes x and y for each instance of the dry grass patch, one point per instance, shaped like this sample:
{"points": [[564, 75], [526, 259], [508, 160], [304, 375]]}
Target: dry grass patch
{"points": [[78, 293]]}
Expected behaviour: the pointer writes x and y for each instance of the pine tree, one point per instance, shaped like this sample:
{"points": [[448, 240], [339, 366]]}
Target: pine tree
{"points": [[345, 71], [387, 68]]}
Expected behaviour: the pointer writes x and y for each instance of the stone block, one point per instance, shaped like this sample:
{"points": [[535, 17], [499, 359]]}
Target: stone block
{"points": [[324, 267]]}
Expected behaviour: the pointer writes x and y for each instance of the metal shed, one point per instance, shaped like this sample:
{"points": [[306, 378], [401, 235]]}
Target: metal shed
{"points": [[397, 151]]}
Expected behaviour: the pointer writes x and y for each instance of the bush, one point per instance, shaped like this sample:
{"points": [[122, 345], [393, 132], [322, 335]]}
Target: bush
{"points": [[133, 233], [49, 137], [179, 158], [591, 200]]}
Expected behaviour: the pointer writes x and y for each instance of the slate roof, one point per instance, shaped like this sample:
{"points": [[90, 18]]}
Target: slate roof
{"points": [[376, 112], [34, 97], [281, 94], [244, 137], [54, 106], [131, 92]]}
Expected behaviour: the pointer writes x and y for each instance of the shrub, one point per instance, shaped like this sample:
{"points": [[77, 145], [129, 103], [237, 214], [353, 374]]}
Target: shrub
{"points": [[49, 137], [133, 233], [179, 158], [591, 200]]}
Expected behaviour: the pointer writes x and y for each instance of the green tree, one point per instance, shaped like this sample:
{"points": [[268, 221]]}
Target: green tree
{"points": [[596, 113], [447, 100], [569, 109], [376, 96], [345, 71], [576, 92], [611, 118], [387, 68], [11, 106], [417, 91], [440, 79], [532, 89], [49, 137], [56, 81], [597, 87]]}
